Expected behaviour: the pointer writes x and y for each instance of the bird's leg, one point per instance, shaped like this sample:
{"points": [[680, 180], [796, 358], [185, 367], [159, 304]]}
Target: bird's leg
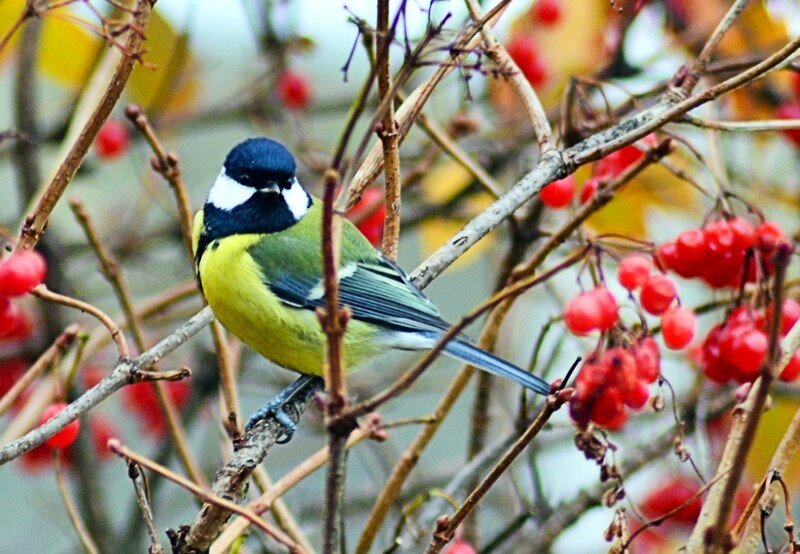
{"points": [[274, 408]]}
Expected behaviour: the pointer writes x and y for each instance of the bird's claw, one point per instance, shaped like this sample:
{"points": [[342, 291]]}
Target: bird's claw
{"points": [[274, 409]]}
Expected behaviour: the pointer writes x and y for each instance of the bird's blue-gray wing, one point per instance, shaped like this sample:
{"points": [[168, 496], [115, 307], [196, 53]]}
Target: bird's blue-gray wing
{"points": [[375, 290]]}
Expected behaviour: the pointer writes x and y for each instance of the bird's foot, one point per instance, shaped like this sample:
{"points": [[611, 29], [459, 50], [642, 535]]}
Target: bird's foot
{"points": [[275, 408]]}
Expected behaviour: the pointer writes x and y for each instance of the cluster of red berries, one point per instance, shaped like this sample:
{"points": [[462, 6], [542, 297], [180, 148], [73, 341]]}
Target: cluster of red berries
{"points": [[724, 252], [368, 214], [112, 140], [293, 90], [614, 380], [19, 274], [737, 348], [596, 310], [657, 292], [523, 48]]}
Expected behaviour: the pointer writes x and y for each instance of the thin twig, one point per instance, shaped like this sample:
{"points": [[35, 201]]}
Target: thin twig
{"points": [[167, 165], [206, 496], [743, 126], [36, 220], [702, 60], [48, 359], [388, 135], [140, 489], [124, 373], [72, 510], [116, 334], [446, 526], [113, 273], [530, 100]]}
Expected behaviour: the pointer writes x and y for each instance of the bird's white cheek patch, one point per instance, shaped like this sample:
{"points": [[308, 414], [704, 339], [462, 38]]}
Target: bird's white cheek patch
{"points": [[226, 193], [296, 199]]}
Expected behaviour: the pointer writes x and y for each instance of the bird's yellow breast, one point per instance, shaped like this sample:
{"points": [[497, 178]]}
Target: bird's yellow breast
{"points": [[290, 337]]}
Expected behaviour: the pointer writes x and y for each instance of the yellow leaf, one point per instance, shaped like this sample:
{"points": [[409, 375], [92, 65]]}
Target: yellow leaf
{"points": [[770, 431], [166, 81], [654, 189], [573, 46], [68, 52], [10, 10]]}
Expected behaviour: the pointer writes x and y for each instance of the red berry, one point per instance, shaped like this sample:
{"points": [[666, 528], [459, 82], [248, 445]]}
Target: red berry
{"points": [[368, 214], [141, 400], [617, 162], [593, 376], [460, 547], [102, 430], [68, 434], [719, 236], [589, 189], [10, 372], [112, 140], [744, 235], [657, 294], [770, 234], [608, 307], [633, 271], [609, 409], [790, 313], [293, 90], [667, 257], [523, 50], [678, 325], [637, 397], [796, 85], [558, 194], [583, 314], [790, 110], [15, 325], [792, 370], [622, 371], [547, 12], [36, 459], [21, 272], [690, 247], [648, 360], [750, 351], [673, 493]]}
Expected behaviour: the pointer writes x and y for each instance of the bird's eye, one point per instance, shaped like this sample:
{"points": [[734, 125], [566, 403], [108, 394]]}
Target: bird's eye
{"points": [[244, 179]]}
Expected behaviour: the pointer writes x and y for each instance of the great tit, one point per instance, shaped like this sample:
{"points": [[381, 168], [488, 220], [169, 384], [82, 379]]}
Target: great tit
{"points": [[258, 258]]}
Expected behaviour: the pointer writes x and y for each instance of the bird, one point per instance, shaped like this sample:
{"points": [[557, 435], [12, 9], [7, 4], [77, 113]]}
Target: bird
{"points": [[258, 261]]}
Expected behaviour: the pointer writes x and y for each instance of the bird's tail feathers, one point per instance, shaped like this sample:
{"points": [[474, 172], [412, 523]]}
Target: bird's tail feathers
{"points": [[471, 354]]}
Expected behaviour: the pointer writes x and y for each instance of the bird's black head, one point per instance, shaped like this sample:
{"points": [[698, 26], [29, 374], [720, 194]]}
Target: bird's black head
{"points": [[259, 163], [256, 192]]}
